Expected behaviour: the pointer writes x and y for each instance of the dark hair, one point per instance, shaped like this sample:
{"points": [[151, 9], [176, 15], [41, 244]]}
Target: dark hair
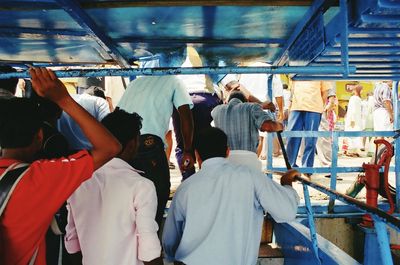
{"points": [[48, 110], [95, 91], [19, 122], [123, 125], [237, 94], [211, 142], [9, 84]]}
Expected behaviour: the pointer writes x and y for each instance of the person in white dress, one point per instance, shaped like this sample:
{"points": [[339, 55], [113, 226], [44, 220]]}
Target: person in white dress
{"points": [[353, 121]]}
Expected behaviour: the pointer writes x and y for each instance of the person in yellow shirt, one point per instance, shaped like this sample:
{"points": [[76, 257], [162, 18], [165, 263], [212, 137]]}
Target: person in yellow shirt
{"points": [[308, 99]]}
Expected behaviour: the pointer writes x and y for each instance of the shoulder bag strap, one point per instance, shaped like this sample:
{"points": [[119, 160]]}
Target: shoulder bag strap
{"points": [[8, 181]]}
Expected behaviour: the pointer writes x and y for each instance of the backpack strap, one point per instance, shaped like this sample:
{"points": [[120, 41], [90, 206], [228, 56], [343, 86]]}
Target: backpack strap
{"points": [[9, 180]]}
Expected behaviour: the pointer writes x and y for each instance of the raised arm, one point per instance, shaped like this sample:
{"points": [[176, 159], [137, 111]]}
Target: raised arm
{"points": [[186, 118], [47, 85]]}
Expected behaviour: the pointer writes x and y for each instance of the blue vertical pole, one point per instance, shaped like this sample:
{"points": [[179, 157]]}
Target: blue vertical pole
{"points": [[335, 151], [311, 224], [344, 37], [270, 136], [383, 242], [397, 142]]}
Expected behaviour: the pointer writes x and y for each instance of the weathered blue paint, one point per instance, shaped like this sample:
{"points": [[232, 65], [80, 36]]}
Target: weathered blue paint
{"points": [[376, 213], [335, 151], [383, 243], [270, 136], [296, 245], [396, 109], [73, 8], [180, 71], [344, 41], [282, 58], [311, 224]]}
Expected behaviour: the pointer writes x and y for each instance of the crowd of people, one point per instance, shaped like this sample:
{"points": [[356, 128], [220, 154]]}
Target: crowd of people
{"points": [[87, 183], [91, 179]]}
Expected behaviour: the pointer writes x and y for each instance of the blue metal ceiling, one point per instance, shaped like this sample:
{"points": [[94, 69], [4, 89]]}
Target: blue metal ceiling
{"points": [[292, 33]]}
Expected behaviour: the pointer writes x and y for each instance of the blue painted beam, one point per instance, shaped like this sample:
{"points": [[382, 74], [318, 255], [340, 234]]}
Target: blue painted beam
{"points": [[369, 49], [375, 212], [184, 71], [311, 224], [324, 170], [383, 242], [355, 58], [338, 133], [73, 8], [344, 41], [33, 33], [371, 40], [273, 42], [374, 31], [361, 64], [314, 9], [396, 110], [380, 18], [366, 77]]}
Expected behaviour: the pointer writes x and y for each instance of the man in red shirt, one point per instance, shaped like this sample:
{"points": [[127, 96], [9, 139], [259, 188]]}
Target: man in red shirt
{"points": [[47, 183]]}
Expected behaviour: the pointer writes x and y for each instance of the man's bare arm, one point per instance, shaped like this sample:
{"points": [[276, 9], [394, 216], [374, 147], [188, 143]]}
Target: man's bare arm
{"points": [[271, 126], [105, 146], [279, 102], [186, 119]]}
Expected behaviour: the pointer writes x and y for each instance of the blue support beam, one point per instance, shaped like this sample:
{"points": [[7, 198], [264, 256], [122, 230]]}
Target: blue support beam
{"points": [[366, 49], [372, 40], [314, 9], [33, 33], [270, 136], [311, 223], [184, 71], [374, 31], [391, 220], [344, 41], [396, 110], [73, 8], [383, 242], [367, 77]]}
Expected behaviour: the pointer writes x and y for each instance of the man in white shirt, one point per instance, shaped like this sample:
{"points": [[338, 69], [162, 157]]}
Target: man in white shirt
{"points": [[153, 98], [111, 217], [216, 215]]}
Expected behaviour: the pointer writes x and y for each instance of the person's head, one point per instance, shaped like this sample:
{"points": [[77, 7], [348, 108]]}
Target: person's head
{"points": [[126, 128], [20, 126], [209, 143], [357, 89], [95, 91], [9, 84], [48, 110], [237, 94]]}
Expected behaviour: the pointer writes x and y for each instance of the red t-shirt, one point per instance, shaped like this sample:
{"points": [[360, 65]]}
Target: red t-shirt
{"points": [[37, 197]]}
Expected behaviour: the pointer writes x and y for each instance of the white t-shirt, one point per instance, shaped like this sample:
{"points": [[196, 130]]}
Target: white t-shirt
{"points": [[257, 84], [153, 98], [114, 88]]}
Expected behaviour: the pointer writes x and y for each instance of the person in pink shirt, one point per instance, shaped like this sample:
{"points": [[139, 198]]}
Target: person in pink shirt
{"points": [[111, 217]]}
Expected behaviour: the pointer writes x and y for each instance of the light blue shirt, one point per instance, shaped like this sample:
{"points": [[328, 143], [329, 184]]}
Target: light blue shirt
{"points": [[153, 98], [97, 107], [216, 215]]}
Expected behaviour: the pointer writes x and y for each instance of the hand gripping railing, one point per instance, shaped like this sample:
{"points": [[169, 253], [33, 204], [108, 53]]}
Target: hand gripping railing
{"points": [[380, 217]]}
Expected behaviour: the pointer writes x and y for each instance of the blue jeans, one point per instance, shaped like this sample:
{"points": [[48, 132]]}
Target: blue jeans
{"points": [[302, 121]]}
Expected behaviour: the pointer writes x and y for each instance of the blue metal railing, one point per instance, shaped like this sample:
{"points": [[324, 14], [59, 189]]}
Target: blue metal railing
{"points": [[380, 218]]}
